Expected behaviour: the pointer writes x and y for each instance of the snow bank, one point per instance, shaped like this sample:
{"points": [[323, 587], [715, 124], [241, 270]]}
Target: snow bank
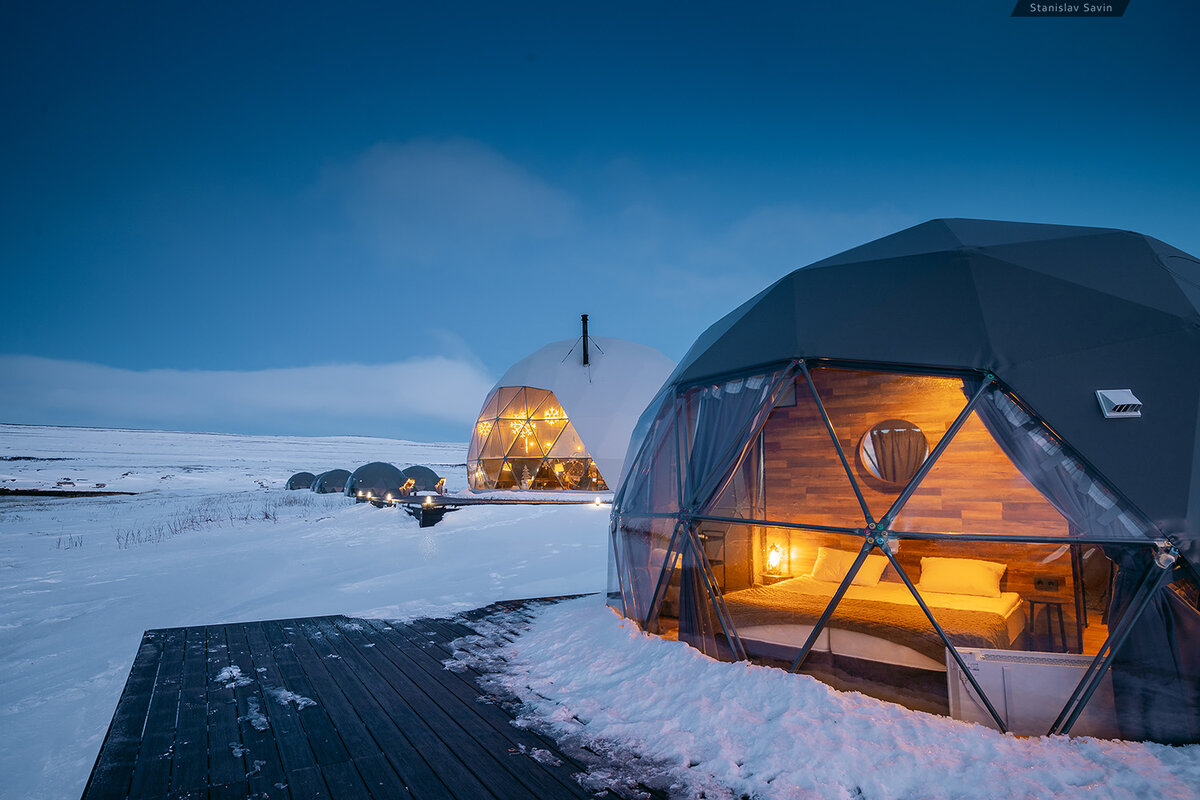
{"points": [[715, 729]]}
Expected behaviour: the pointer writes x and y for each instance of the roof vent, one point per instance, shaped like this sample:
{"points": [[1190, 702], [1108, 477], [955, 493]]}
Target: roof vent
{"points": [[1116, 403]]}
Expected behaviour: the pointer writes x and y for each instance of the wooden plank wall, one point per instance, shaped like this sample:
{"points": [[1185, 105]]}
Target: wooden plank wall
{"points": [[973, 489]]}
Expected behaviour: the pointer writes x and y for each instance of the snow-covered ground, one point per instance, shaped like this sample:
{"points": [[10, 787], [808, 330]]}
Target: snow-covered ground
{"points": [[205, 542], [704, 728], [212, 537]]}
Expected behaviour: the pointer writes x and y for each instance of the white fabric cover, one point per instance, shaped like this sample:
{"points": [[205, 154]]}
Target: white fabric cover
{"points": [[604, 399]]}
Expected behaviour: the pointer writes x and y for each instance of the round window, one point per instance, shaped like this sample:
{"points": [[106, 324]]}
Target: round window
{"points": [[893, 450]]}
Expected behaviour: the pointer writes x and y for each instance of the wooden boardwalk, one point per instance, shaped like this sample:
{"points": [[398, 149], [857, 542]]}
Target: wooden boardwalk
{"points": [[325, 707]]}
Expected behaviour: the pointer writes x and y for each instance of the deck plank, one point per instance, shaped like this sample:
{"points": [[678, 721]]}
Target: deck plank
{"points": [[189, 752], [152, 770], [113, 773], [386, 719], [492, 725], [394, 694]]}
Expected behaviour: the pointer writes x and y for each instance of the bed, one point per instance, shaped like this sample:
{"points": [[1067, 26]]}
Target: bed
{"points": [[880, 623]]}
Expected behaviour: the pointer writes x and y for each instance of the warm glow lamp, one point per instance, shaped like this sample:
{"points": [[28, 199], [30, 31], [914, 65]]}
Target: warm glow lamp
{"points": [[774, 558]]}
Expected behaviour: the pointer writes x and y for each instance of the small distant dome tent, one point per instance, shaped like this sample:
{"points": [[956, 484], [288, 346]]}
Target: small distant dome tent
{"points": [[331, 482], [561, 418], [424, 479], [301, 480], [377, 480], [957, 468]]}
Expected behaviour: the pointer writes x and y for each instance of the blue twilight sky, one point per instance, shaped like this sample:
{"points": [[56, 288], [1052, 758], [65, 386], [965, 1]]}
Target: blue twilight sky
{"points": [[351, 218]]}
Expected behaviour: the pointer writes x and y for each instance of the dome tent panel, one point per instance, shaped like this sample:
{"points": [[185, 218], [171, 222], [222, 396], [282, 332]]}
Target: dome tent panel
{"points": [[301, 480], [331, 482], [1003, 548]]}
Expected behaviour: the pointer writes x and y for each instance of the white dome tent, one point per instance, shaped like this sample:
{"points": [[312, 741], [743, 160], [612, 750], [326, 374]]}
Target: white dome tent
{"points": [[561, 418]]}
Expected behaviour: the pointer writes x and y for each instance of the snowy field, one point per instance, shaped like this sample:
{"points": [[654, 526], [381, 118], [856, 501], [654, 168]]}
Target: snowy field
{"points": [[212, 538]]}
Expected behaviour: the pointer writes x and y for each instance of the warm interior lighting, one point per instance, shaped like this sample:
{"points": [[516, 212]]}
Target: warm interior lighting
{"points": [[388, 497], [774, 558], [428, 500], [360, 494]]}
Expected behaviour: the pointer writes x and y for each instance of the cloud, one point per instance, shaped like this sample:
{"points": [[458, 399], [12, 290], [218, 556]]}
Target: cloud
{"points": [[433, 201], [423, 398]]}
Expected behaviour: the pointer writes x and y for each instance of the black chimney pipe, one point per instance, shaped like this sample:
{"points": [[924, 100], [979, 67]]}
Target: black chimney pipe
{"points": [[585, 340]]}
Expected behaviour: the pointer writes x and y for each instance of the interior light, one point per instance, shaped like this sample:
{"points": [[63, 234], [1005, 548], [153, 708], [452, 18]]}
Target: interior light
{"points": [[389, 497], [774, 558], [428, 500]]}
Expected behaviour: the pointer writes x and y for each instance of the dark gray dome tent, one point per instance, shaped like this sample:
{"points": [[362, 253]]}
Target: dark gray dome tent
{"points": [[375, 481], [301, 480], [331, 482], [957, 468], [424, 479]]}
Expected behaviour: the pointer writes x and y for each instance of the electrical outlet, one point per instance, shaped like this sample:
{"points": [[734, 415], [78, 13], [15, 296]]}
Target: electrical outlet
{"points": [[1045, 584]]}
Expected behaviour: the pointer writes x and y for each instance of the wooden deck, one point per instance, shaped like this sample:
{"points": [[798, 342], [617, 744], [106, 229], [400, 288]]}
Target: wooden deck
{"points": [[325, 707]]}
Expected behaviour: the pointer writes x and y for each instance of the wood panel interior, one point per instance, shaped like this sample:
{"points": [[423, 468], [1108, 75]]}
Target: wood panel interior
{"points": [[973, 488]]}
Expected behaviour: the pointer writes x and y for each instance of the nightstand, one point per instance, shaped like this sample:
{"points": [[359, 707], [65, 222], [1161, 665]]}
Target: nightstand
{"points": [[1054, 608]]}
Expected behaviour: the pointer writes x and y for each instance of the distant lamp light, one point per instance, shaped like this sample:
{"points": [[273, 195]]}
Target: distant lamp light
{"points": [[360, 493], [597, 502], [774, 558], [388, 497], [428, 500]]}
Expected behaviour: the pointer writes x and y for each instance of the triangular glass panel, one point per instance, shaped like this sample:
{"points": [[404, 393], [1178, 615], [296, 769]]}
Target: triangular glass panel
{"points": [[493, 446], [475, 445], [505, 478], [794, 473], [488, 472], [1022, 619], [975, 488], [491, 407], [504, 396], [525, 442], [572, 472], [546, 478], [887, 424], [546, 433], [507, 433], [524, 470], [536, 398], [550, 410], [652, 483], [568, 444], [780, 581], [596, 480], [517, 408]]}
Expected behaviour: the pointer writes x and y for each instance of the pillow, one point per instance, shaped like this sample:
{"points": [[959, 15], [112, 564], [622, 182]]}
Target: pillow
{"points": [[832, 565], [961, 576]]}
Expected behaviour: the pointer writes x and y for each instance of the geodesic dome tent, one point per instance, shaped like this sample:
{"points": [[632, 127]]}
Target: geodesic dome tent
{"points": [[331, 482], [955, 468], [555, 421], [301, 480], [375, 480], [424, 479]]}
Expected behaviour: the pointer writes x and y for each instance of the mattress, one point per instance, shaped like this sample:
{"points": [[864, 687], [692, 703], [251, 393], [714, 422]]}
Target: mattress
{"points": [[881, 623]]}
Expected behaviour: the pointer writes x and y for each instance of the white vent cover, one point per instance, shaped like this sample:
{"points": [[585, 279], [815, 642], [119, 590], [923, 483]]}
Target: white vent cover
{"points": [[1116, 403]]}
